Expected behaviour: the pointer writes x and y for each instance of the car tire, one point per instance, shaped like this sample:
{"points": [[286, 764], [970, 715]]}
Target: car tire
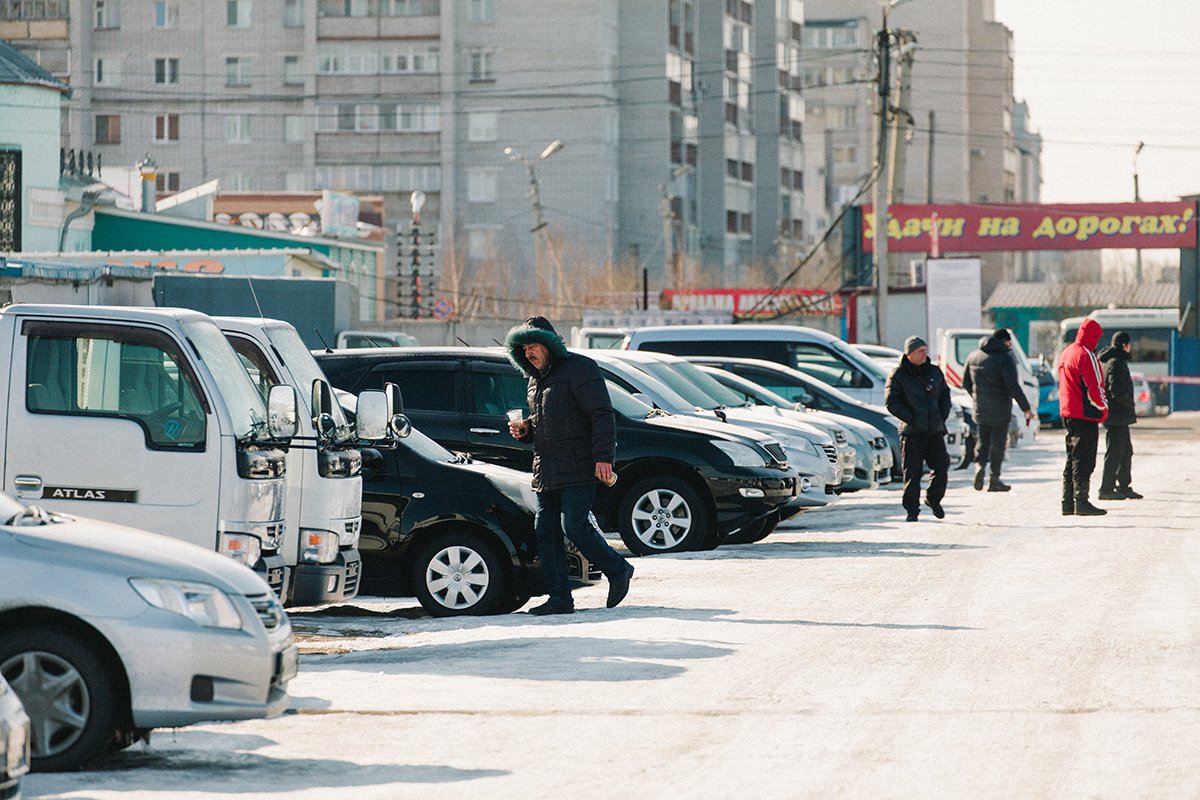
{"points": [[664, 515], [754, 532], [459, 573], [69, 692]]}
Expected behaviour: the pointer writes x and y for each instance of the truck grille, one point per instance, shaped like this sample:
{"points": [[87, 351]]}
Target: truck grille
{"points": [[831, 453], [273, 535], [839, 437], [776, 452], [353, 573], [879, 442], [268, 610]]}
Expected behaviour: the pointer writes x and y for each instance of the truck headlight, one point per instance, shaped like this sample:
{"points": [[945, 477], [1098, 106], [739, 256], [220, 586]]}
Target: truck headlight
{"points": [[203, 604], [742, 455], [320, 547], [241, 547]]}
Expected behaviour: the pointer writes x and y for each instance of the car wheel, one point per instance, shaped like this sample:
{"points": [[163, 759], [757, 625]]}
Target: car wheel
{"points": [[461, 572], [664, 515], [754, 532], [68, 692]]}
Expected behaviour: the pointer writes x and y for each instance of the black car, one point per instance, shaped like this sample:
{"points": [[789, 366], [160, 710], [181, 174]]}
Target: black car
{"points": [[682, 486], [456, 534]]}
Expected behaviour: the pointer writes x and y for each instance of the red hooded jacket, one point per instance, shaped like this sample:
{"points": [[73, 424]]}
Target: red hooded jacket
{"points": [[1080, 383]]}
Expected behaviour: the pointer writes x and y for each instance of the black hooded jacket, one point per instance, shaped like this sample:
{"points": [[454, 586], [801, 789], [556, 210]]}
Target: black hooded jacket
{"points": [[918, 397], [1118, 385], [570, 413], [990, 376]]}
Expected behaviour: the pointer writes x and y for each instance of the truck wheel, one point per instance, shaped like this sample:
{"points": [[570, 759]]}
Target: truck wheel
{"points": [[664, 515], [68, 692], [460, 572]]}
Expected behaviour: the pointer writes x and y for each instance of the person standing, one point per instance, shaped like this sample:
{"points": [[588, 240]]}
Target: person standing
{"points": [[573, 430], [1118, 452], [990, 377], [1083, 406], [917, 395]]}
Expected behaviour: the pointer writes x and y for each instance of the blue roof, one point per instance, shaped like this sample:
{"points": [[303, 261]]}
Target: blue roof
{"points": [[16, 67]]}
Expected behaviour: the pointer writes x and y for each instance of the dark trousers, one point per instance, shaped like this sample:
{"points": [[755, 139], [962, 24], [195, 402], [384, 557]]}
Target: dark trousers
{"points": [[565, 511], [993, 440], [917, 450], [1082, 438], [1118, 459]]}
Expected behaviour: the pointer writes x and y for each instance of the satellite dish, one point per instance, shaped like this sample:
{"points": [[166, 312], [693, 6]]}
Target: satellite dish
{"points": [[277, 222], [251, 220], [223, 218]]}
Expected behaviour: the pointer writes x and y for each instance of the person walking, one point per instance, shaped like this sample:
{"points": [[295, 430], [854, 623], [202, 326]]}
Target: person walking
{"points": [[1083, 406], [1118, 451], [917, 395], [573, 430], [990, 377]]}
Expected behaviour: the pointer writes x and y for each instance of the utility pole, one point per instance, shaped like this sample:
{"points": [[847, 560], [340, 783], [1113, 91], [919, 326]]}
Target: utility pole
{"points": [[881, 182], [929, 162], [902, 120], [1137, 198]]}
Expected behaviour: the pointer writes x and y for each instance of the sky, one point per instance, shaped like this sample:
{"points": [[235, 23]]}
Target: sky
{"points": [[1101, 76]]}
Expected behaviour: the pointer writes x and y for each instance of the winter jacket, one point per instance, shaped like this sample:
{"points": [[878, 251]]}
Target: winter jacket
{"points": [[1118, 385], [918, 397], [990, 376], [571, 416], [1080, 384]]}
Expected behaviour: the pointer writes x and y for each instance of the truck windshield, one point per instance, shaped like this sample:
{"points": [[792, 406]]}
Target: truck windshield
{"points": [[304, 369], [245, 404]]}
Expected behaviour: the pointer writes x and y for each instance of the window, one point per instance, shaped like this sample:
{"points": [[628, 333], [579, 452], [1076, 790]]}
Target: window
{"points": [[366, 118], [237, 128], [292, 72], [107, 71], [295, 128], [840, 117], [261, 373], [166, 128], [494, 393], [166, 14], [747, 223], [126, 373], [108, 129], [731, 222], [481, 185], [481, 126], [108, 14], [481, 243], [293, 13], [166, 70], [483, 10], [825, 365], [237, 13], [166, 181], [847, 154], [423, 389], [236, 181], [481, 66], [237, 71]]}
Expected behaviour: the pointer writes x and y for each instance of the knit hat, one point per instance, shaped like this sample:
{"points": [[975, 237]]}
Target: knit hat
{"points": [[1001, 335], [1120, 339], [535, 330], [912, 343]]}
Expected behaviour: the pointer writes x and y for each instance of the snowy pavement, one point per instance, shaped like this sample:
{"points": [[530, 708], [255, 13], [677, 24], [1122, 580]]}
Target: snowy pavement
{"points": [[1004, 651]]}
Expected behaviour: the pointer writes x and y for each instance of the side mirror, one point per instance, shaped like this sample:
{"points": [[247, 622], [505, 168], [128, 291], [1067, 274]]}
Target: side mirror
{"points": [[281, 412], [806, 399], [398, 423], [400, 426], [371, 417], [322, 400]]}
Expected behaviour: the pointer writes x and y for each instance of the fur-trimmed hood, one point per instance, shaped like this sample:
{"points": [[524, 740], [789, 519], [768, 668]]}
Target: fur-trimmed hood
{"points": [[533, 330]]}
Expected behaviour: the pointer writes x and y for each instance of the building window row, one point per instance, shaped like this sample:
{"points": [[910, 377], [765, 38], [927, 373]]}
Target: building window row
{"points": [[739, 222], [377, 59], [34, 9], [378, 117], [826, 36], [165, 13], [791, 179], [739, 170], [378, 177], [378, 8], [740, 9]]}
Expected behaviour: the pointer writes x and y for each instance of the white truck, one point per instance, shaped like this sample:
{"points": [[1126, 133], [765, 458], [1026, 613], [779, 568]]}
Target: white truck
{"points": [[146, 418], [323, 509]]}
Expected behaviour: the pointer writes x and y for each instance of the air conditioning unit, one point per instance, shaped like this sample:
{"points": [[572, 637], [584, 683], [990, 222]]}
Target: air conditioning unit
{"points": [[916, 271]]}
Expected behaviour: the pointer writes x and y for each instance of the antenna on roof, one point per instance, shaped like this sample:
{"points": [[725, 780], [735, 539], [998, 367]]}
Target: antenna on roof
{"points": [[497, 343], [460, 341], [317, 331]]}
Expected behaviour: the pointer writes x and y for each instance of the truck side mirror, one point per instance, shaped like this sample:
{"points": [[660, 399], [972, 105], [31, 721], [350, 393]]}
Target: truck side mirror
{"points": [[398, 423], [400, 426], [371, 417], [322, 402], [281, 412]]}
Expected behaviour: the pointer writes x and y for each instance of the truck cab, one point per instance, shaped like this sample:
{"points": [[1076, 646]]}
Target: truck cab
{"points": [[144, 417]]}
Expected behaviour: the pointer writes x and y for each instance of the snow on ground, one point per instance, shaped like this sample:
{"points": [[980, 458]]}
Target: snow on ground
{"points": [[1004, 651]]}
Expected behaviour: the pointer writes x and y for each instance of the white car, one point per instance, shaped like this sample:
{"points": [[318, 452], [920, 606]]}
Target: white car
{"points": [[107, 632], [14, 743]]}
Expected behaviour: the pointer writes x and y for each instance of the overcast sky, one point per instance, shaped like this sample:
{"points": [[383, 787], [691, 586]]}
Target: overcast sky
{"points": [[1102, 75]]}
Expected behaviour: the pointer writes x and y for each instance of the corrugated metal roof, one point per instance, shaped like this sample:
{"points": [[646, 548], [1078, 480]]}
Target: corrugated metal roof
{"points": [[16, 67], [1012, 294]]}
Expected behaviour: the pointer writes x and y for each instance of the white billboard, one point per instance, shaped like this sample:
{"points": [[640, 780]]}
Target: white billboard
{"points": [[953, 290]]}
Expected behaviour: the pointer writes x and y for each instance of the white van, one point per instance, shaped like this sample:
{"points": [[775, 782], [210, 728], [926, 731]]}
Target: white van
{"points": [[144, 417], [817, 353], [1150, 331]]}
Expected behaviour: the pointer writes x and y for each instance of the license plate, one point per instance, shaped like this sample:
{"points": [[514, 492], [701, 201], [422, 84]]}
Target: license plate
{"points": [[289, 663]]}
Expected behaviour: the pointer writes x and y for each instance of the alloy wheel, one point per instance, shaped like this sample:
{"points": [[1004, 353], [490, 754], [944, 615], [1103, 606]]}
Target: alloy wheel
{"points": [[662, 518]]}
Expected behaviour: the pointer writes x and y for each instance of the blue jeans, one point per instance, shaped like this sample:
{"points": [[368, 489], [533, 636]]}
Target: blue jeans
{"points": [[565, 511]]}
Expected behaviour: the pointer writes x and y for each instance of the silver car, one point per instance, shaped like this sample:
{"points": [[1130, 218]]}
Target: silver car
{"points": [[14, 743], [107, 632]]}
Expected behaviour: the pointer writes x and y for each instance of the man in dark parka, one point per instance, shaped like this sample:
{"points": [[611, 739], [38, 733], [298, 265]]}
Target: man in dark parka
{"points": [[990, 377], [573, 431], [917, 395], [1118, 451]]}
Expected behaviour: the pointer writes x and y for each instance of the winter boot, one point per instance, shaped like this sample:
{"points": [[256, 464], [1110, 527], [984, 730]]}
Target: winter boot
{"points": [[1085, 509], [1110, 494], [980, 474], [1129, 494], [996, 485], [1068, 502]]}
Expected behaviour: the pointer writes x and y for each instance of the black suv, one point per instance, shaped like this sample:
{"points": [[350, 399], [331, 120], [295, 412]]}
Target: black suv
{"points": [[682, 485]]}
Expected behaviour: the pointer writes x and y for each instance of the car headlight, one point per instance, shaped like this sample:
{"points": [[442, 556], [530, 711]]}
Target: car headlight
{"points": [[742, 455], [202, 603], [516, 488], [801, 444], [241, 547], [320, 547]]}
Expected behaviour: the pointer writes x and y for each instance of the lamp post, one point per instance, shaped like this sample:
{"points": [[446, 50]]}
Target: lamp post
{"points": [[1137, 198], [535, 197], [673, 258]]}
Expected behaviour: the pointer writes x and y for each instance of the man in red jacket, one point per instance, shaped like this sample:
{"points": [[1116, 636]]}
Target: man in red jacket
{"points": [[1083, 405]]}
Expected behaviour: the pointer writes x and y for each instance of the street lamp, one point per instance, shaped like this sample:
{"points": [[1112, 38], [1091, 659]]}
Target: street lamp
{"points": [[535, 197], [416, 202], [672, 258], [1137, 198]]}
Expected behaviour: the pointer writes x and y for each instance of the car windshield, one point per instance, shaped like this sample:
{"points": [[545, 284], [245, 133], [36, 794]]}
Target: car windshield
{"points": [[299, 361], [626, 404], [9, 509], [750, 390], [708, 384], [679, 384], [245, 404]]}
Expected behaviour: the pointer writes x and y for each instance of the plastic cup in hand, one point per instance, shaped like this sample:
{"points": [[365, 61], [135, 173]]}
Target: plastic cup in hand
{"points": [[515, 415], [611, 480]]}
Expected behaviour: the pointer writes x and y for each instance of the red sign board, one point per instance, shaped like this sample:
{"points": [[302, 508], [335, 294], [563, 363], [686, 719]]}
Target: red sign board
{"points": [[754, 302], [1061, 226]]}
